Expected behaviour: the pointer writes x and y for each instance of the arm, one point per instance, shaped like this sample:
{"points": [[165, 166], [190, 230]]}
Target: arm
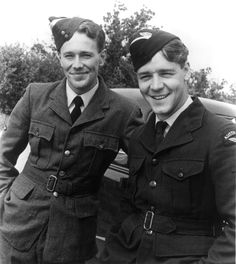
{"points": [[135, 119], [223, 170], [13, 141]]}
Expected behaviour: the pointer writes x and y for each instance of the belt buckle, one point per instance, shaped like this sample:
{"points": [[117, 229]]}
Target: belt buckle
{"points": [[147, 224], [51, 183]]}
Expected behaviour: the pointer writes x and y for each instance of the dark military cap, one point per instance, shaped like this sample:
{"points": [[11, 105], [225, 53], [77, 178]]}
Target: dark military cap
{"points": [[63, 28], [146, 43]]}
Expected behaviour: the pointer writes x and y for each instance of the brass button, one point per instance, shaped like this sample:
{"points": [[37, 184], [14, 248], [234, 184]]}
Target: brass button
{"points": [[62, 173], [154, 161], [101, 146], [152, 184], [149, 232], [55, 194], [181, 174], [67, 153]]}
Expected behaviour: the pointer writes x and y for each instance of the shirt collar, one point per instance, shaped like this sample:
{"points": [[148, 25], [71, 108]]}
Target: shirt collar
{"points": [[170, 120], [86, 97]]}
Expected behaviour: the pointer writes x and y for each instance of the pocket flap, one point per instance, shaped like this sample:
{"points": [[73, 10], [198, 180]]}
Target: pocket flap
{"points": [[182, 169], [101, 141], [42, 130], [22, 186], [135, 164]]}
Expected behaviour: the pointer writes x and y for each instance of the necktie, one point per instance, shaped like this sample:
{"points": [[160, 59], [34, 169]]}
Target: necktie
{"points": [[76, 111], [160, 128]]}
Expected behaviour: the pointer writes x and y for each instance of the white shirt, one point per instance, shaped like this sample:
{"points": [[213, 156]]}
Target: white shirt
{"points": [[170, 120], [86, 97]]}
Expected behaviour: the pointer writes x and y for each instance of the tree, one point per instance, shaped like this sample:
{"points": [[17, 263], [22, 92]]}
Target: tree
{"points": [[118, 70], [198, 82], [200, 85], [20, 66]]}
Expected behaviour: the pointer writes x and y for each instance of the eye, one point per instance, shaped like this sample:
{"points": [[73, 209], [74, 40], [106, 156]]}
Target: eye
{"points": [[144, 77], [68, 56], [86, 55], [167, 74]]}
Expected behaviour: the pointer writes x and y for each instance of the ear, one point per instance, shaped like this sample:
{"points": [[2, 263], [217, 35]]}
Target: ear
{"points": [[102, 58], [187, 71]]}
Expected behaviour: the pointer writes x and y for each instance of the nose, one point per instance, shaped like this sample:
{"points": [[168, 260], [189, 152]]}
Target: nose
{"points": [[77, 63], [157, 82]]}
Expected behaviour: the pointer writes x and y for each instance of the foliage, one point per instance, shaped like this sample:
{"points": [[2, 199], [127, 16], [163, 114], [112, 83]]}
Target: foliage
{"points": [[20, 66], [200, 85], [118, 70]]}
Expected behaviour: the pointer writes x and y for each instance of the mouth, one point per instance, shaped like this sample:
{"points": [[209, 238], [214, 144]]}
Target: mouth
{"points": [[160, 97], [79, 73]]}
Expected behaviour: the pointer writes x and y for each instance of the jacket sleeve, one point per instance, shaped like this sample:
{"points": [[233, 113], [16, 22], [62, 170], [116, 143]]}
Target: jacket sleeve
{"points": [[223, 171], [134, 120], [13, 141]]}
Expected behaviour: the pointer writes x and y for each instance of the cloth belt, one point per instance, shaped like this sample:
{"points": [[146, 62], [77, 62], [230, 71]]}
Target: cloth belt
{"points": [[166, 225], [53, 183]]}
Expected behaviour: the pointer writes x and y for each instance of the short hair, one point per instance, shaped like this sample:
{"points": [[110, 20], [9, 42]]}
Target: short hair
{"points": [[93, 31], [176, 51]]}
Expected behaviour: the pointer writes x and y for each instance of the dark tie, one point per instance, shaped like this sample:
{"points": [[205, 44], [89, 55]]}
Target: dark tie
{"points": [[76, 111], [160, 128]]}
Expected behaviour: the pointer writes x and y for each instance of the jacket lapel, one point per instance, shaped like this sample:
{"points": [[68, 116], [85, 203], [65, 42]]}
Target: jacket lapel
{"points": [[59, 101], [96, 107], [181, 131]]}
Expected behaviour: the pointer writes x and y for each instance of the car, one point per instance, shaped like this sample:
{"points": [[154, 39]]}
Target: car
{"points": [[110, 192]]}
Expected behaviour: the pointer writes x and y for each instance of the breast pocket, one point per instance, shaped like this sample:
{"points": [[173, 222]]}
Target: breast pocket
{"points": [[40, 139], [99, 150], [179, 178]]}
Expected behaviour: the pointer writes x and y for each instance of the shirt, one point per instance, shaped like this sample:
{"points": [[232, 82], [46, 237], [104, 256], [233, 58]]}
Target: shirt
{"points": [[86, 97], [170, 120]]}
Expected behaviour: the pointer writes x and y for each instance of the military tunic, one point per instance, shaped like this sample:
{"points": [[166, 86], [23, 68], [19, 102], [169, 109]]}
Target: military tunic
{"points": [[179, 204], [66, 159]]}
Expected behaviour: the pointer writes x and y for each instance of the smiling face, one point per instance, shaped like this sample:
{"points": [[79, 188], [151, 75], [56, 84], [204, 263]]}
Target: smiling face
{"points": [[162, 84], [80, 60]]}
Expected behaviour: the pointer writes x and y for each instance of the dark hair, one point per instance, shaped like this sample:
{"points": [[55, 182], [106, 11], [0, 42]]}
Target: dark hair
{"points": [[176, 51], [93, 31]]}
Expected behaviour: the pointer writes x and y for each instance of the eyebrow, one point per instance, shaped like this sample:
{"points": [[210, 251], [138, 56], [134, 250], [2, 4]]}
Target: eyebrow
{"points": [[159, 71]]}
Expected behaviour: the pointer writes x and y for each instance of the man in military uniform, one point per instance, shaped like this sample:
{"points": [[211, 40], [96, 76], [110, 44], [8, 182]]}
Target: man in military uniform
{"points": [[49, 210], [179, 204]]}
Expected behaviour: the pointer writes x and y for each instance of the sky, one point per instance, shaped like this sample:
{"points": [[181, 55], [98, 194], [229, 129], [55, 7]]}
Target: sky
{"points": [[207, 27]]}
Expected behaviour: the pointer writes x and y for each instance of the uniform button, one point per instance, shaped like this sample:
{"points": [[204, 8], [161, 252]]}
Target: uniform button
{"points": [[152, 184], [62, 173], [154, 161], [149, 232], [55, 194], [101, 146], [37, 132], [181, 174], [67, 153]]}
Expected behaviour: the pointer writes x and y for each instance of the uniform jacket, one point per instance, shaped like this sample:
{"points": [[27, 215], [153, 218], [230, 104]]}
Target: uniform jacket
{"points": [[77, 155], [188, 183]]}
